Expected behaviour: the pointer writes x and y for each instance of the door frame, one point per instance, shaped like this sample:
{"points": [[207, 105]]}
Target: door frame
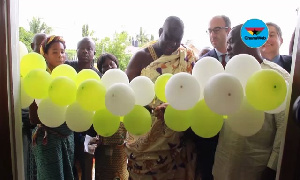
{"points": [[11, 152]]}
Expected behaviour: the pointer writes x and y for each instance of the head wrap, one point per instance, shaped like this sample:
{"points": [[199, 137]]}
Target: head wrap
{"points": [[51, 39]]}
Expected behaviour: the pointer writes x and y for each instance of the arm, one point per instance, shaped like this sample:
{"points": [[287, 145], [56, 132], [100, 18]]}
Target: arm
{"points": [[270, 172], [90, 144], [33, 115], [136, 64], [279, 121]]}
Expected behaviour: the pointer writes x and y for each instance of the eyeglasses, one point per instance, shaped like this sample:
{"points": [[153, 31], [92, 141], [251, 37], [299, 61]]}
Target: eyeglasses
{"points": [[215, 30]]}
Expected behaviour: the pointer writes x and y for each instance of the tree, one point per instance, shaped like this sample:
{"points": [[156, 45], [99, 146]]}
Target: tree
{"points": [[37, 26], [152, 37], [115, 46], [26, 37], [71, 54], [142, 37], [86, 32]]}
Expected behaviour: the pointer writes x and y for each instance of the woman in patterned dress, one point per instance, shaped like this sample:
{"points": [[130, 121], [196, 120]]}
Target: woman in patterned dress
{"points": [[53, 147]]}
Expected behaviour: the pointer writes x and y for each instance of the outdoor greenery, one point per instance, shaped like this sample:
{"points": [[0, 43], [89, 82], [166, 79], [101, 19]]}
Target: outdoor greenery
{"points": [[87, 33], [37, 26], [26, 37], [71, 54], [115, 45]]}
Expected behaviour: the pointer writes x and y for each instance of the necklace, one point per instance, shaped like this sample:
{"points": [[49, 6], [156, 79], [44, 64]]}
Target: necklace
{"points": [[152, 52]]}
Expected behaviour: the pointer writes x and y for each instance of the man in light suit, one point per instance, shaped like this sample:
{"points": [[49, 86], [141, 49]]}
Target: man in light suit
{"points": [[270, 50]]}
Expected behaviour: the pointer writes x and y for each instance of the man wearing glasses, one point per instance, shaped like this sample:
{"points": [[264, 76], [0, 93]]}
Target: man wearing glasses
{"points": [[270, 50], [219, 27]]}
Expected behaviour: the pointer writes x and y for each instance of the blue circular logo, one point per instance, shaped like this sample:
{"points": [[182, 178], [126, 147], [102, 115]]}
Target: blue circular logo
{"points": [[254, 33]]}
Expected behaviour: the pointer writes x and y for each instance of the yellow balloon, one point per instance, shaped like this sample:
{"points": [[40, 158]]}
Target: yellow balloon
{"points": [[105, 123], [177, 120], [266, 90], [86, 74], [37, 82], [64, 70], [91, 95], [62, 91], [160, 86], [204, 122], [32, 61], [138, 121]]}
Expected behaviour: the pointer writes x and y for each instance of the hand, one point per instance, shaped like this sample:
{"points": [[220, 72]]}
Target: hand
{"points": [[93, 144], [159, 111], [94, 140], [92, 148], [33, 115], [268, 174]]}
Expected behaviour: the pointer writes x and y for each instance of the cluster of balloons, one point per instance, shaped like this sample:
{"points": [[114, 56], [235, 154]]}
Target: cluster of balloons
{"points": [[240, 94], [82, 99]]}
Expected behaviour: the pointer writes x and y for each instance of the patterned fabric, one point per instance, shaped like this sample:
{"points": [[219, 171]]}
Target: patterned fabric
{"points": [[55, 159], [161, 153], [29, 162], [111, 158], [53, 149], [182, 60]]}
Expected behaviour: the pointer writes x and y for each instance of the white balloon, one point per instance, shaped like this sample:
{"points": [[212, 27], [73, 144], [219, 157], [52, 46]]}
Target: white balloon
{"points": [[120, 99], [223, 94], [247, 121], [50, 114], [204, 69], [22, 49], [26, 100], [182, 91], [283, 105], [143, 89], [78, 119], [113, 76], [37, 101], [242, 66]]}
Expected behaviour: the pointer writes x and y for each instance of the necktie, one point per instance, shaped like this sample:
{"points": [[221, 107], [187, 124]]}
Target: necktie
{"points": [[223, 60]]}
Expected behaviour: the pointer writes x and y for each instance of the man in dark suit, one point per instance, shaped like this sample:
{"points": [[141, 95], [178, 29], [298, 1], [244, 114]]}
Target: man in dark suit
{"points": [[270, 50], [219, 27]]}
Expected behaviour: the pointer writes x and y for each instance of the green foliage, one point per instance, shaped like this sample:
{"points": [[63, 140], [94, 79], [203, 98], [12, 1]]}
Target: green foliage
{"points": [[152, 37], [115, 46], [26, 37], [71, 54], [37, 26], [85, 32], [142, 37]]}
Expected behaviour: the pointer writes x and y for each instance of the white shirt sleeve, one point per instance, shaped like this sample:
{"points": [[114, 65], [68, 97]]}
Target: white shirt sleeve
{"points": [[86, 143], [279, 121]]}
